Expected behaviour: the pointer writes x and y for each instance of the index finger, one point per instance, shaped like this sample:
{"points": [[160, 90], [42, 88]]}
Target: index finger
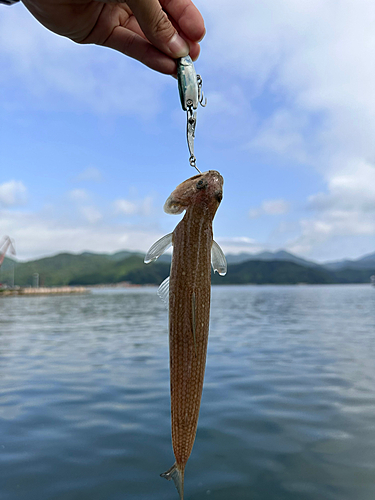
{"points": [[187, 17]]}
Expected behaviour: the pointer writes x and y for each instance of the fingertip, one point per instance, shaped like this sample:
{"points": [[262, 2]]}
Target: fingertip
{"points": [[195, 34], [178, 47], [195, 51], [138, 48], [192, 24], [202, 35]]}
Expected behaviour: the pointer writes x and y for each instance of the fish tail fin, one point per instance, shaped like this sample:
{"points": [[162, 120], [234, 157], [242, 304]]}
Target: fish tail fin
{"points": [[177, 474]]}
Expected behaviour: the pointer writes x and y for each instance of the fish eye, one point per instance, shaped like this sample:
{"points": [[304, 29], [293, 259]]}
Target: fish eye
{"points": [[201, 184], [219, 196]]}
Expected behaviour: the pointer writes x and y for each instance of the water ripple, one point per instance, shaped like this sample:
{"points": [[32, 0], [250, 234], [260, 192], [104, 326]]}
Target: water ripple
{"points": [[288, 409]]}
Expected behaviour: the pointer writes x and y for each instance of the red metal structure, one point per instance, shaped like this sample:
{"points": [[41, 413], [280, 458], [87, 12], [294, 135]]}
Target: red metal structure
{"points": [[6, 243]]}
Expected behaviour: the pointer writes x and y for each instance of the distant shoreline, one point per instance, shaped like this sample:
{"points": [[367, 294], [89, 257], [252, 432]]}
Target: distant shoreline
{"points": [[56, 290], [68, 290]]}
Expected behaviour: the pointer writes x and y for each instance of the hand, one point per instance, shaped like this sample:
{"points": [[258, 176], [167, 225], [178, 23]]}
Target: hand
{"points": [[153, 32]]}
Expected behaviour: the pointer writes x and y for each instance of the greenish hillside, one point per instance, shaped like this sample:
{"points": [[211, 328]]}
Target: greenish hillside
{"points": [[85, 269], [131, 269], [56, 270], [7, 264], [284, 273], [273, 272], [91, 269], [354, 275]]}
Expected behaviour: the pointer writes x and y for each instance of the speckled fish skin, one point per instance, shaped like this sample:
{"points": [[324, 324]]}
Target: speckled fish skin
{"points": [[189, 305]]}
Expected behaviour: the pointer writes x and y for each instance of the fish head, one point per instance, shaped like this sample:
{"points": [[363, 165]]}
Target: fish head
{"points": [[203, 190]]}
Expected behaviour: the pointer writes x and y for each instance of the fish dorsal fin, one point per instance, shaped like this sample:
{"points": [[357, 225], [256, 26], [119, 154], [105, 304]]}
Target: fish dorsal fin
{"points": [[158, 248], [163, 292], [218, 260]]}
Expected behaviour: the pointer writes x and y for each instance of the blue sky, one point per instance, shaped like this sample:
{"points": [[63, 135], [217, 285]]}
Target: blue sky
{"points": [[92, 143]]}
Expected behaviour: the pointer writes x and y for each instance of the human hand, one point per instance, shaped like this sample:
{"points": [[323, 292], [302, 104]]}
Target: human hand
{"points": [[153, 32]]}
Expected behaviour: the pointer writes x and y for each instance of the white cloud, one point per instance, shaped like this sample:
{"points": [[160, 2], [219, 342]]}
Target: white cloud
{"points": [[238, 240], [12, 193], [88, 213], [60, 74], [351, 188], [91, 214], [309, 71], [346, 209], [275, 207], [127, 207], [269, 207], [239, 244], [41, 235], [283, 134], [78, 195], [314, 58], [89, 174]]}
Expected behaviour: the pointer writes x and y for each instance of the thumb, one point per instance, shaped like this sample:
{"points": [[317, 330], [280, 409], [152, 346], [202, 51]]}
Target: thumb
{"points": [[157, 27]]}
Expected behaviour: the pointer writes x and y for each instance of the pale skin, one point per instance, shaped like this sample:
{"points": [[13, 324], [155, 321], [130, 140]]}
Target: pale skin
{"points": [[153, 32]]}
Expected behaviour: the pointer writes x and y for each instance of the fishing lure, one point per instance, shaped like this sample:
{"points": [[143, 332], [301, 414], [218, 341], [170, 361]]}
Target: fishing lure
{"points": [[191, 94]]}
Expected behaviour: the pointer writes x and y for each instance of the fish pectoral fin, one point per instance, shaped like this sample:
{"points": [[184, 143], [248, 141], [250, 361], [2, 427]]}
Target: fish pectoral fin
{"points": [[173, 206], [177, 476], [193, 321], [163, 291], [158, 248], [218, 260]]}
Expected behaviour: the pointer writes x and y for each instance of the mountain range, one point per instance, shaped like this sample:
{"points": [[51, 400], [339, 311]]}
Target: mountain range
{"points": [[90, 268], [365, 262]]}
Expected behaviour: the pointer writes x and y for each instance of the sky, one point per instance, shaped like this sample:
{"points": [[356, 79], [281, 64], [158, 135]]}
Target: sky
{"points": [[92, 143]]}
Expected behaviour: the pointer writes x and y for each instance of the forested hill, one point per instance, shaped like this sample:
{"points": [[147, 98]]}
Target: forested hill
{"points": [[92, 269]]}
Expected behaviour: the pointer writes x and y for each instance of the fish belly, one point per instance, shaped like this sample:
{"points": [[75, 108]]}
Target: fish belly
{"points": [[188, 338]]}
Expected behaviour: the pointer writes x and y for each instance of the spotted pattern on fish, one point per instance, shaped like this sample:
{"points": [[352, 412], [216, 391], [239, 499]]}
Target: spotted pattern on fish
{"points": [[189, 306]]}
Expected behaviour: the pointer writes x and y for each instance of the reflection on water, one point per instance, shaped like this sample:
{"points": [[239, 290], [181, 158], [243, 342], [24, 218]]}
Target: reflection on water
{"points": [[288, 409]]}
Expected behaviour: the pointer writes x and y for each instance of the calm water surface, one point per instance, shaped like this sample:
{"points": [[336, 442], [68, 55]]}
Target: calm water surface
{"points": [[288, 408]]}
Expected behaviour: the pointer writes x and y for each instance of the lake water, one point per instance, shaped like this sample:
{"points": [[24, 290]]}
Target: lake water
{"points": [[288, 407]]}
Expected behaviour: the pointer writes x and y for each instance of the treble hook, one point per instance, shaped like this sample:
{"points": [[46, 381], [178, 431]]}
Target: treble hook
{"points": [[200, 92]]}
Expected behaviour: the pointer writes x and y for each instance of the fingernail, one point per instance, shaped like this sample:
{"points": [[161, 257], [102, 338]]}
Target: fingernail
{"points": [[178, 46]]}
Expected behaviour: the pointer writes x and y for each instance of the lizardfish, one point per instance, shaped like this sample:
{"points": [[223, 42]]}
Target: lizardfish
{"points": [[187, 292]]}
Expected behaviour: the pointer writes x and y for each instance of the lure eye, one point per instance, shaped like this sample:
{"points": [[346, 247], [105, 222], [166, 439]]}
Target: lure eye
{"points": [[219, 196], [202, 184]]}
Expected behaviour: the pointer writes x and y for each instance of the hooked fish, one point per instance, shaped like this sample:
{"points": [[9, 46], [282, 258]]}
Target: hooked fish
{"points": [[187, 292]]}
